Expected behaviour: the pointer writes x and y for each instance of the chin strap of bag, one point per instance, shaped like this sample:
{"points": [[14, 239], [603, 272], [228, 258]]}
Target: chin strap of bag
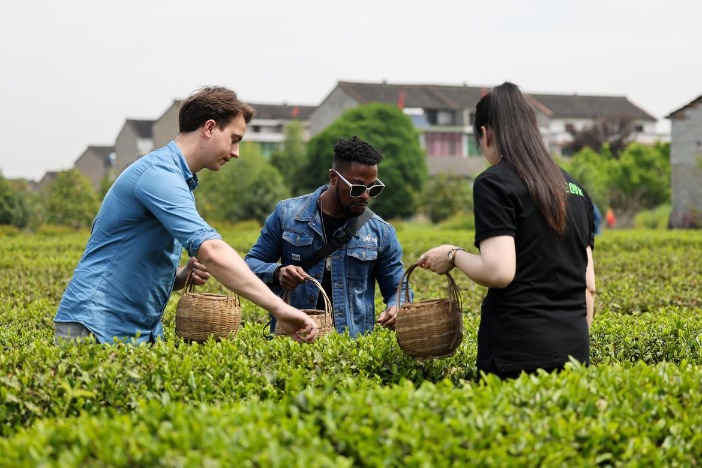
{"points": [[340, 237]]}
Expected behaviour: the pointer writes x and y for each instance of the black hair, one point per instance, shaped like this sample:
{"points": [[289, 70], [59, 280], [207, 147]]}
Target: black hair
{"points": [[518, 141], [355, 150]]}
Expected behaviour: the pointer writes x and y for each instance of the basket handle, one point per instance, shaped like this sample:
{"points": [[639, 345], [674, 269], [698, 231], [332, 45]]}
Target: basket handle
{"points": [[328, 309], [453, 290], [189, 285]]}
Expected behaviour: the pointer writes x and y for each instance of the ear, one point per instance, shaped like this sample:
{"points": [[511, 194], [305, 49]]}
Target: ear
{"points": [[486, 135], [332, 176], [209, 127]]}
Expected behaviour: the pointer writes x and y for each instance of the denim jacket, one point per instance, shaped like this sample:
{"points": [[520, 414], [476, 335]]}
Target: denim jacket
{"points": [[294, 231]]}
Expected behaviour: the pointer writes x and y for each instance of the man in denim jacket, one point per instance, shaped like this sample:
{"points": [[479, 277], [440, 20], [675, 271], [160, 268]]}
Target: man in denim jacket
{"points": [[300, 226]]}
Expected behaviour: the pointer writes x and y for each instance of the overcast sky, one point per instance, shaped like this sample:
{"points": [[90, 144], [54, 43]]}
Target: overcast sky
{"points": [[73, 71]]}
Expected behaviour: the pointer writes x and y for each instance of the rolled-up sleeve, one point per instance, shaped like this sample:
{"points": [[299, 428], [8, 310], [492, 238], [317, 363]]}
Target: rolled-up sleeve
{"points": [[168, 197]]}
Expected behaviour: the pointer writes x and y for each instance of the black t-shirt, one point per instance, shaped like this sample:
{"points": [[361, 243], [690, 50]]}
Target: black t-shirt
{"points": [[331, 225], [540, 318]]}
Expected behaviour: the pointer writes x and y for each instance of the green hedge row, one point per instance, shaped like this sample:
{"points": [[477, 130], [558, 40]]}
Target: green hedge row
{"points": [[610, 415], [44, 381], [637, 271], [353, 402]]}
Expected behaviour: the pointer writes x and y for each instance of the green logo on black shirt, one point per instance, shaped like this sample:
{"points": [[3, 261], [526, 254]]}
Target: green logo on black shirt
{"points": [[574, 189]]}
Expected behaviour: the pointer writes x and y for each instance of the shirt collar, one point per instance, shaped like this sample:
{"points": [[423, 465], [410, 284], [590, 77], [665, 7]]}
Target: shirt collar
{"points": [[179, 159], [309, 209]]}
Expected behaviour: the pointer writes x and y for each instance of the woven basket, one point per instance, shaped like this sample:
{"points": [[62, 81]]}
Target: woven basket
{"points": [[323, 318], [201, 316], [431, 328]]}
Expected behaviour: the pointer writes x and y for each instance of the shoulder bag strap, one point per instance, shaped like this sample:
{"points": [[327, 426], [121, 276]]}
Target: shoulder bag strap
{"points": [[339, 238]]}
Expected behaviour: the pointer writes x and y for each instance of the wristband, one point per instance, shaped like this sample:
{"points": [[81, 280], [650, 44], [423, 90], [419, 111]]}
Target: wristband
{"points": [[451, 255]]}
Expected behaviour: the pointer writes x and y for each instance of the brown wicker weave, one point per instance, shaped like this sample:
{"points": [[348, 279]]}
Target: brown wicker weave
{"points": [[323, 318], [431, 328], [200, 316]]}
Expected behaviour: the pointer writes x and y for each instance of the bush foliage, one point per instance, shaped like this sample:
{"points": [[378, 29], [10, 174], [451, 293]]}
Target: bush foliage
{"points": [[344, 402], [639, 179], [244, 189], [71, 200], [403, 169]]}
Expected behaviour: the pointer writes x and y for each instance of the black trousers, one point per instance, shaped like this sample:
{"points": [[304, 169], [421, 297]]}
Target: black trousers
{"points": [[513, 374]]}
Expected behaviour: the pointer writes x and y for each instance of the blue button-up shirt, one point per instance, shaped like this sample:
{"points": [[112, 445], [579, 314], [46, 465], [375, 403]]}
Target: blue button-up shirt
{"points": [[294, 231], [126, 274]]}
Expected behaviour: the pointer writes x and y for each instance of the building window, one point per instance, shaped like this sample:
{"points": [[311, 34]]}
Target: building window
{"points": [[445, 117], [440, 117], [431, 116], [638, 128], [443, 144]]}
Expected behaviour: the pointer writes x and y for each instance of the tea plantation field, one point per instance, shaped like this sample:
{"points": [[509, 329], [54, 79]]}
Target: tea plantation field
{"points": [[248, 401]]}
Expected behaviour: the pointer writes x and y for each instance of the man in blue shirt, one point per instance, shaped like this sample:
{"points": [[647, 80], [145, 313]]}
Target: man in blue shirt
{"points": [[300, 226], [130, 265]]}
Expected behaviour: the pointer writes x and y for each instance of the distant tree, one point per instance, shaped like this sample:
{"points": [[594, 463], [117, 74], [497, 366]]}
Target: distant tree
{"points": [[71, 200], [291, 160], [617, 131], [403, 169], [592, 170], [445, 196], [105, 184], [640, 180], [14, 204], [246, 188]]}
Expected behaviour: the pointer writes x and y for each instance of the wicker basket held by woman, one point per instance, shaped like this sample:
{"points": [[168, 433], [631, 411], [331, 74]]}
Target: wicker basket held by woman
{"points": [[200, 316], [323, 318], [431, 328]]}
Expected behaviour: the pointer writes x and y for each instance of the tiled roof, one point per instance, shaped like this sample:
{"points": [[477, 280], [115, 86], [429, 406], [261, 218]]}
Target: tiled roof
{"points": [[433, 96], [282, 111], [143, 128], [275, 111], [565, 106], [679, 113], [48, 177], [425, 96]]}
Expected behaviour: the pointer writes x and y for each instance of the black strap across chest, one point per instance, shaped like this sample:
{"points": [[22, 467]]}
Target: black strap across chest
{"points": [[340, 237]]}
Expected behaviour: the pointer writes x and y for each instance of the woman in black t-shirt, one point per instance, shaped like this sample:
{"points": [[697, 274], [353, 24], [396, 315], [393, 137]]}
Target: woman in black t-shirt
{"points": [[534, 229]]}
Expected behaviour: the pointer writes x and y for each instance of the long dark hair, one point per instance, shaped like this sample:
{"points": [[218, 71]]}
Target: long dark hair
{"points": [[506, 111]]}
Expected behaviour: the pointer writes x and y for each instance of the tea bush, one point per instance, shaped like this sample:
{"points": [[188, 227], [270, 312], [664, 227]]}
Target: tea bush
{"points": [[343, 402]]}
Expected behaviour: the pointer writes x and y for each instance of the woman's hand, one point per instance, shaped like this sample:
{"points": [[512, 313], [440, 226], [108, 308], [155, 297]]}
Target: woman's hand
{"points": [[436, 259], [494, 267]]}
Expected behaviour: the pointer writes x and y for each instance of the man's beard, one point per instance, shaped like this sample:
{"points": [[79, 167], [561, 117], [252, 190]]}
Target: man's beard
{"points": [[349, 209], [344, 208]]}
